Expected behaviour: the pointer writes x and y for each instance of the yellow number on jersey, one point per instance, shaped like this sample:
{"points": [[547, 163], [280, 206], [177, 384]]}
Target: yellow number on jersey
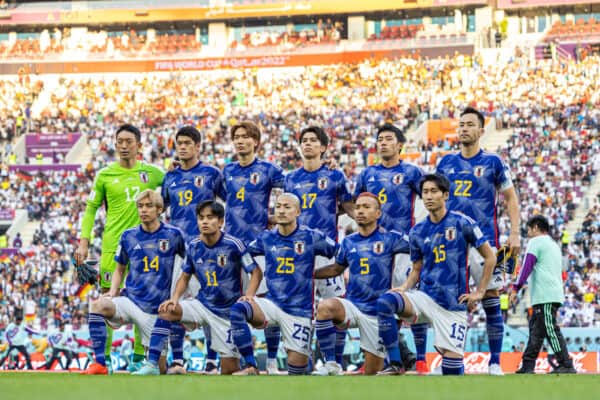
{"points": [[308, 199], [212, 275], [153, 264], [463, 188], [185, 197], [382, 196], [285, 266], [440, 253], [364, 266], [241, 194]]}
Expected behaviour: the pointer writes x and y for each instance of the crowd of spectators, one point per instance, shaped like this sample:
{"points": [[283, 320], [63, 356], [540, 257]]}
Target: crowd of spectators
{"points": [[553, 152]]}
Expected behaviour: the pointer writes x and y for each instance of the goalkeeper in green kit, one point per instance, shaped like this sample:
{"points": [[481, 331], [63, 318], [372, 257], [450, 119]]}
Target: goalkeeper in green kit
{"points": [[117, 186]]}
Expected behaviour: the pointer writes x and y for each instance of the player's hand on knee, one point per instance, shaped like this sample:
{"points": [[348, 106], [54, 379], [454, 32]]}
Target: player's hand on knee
{"points": [[399, 289], [247, 299], [471, 298]]}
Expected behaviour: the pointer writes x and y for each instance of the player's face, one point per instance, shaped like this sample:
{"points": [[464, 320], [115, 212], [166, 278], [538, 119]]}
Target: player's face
{"points": [[433, 197], [147, 211], [127, 145], [186, 148], [311, 146], [243, 143], [388, 145], [469, 130], [286, 210], [366, 211], [208, 222]]}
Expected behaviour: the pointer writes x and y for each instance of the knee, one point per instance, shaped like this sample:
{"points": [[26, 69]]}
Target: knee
{"points": [[387, 305], [326, 309], [98, 307], [241, 312]]}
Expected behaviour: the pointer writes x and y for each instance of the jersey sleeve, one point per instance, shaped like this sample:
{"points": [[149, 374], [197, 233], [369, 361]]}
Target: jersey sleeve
{"points": [[400, 243], [473, 234], [256, 247], [220, 185], [248, 262], [416, 251], [533, 248], [121, 255], [94, 201], [360, 187], [343, 191], [157, 176], [180, 245], [415, 182], [188, 264], [503, 179], [323, 245], [341, 258], [164, 192], [277, 177], [287, 182]]}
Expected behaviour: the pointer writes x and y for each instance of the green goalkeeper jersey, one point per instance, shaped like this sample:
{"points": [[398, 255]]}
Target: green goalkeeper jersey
{"points": [[117, 188]]}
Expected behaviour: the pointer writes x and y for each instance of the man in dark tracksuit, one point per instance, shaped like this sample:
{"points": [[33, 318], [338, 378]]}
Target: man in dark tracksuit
{"points": [[543, 261]]}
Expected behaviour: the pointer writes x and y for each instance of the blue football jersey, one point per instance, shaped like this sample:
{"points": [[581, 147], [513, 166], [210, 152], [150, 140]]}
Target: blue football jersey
{"points": [[371, 262], [248, 192], [290, 264], [444, 249], [150, 257], [397, 189], [319, 192], [219, 270], [475, 183], [183, 189]]}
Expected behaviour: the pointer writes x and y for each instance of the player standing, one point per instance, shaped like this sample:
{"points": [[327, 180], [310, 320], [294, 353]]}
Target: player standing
{"points": [[117, 186], [439, 248], [369, 254], [476, 178]]}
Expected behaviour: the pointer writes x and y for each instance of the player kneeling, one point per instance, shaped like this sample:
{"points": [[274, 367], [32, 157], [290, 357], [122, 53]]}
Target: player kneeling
{"points": [[150, 250], [217, 260], [369, 254], [439, 248]]}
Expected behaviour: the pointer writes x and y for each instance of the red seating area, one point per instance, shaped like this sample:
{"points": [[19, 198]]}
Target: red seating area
{"points": [[169, 44], [293, 39], [30, 48], [579, 29], [397, 32]]}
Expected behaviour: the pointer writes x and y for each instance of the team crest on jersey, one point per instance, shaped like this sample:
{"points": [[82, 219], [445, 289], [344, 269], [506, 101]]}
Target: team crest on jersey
{"points": [[478, 171], [299, 248], [322, 183], [199, 181], [221, 260], [254, 178], [450, 234], [163, 245], [378, 247], [144, 177], [398, 179]]}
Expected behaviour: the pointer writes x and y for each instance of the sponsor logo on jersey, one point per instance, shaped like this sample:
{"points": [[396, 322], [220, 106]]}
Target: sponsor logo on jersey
{"points": [[322, 183], [163, 245], [478, 171], [378, 247], [254, 178], [299, 248], [143, 177], [221, 260], [199, 181], [450, 233], [398, 179]]}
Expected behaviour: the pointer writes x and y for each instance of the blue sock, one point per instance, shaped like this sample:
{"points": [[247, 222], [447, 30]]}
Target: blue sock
{"points": [[495, 327], [239, 316], [419, 332], [452, 366], [97, 328], [272, 336], [340, 344], [388, 306], [211, 355], [158, 340], [296, 370], [176, 339], [326, 337]]}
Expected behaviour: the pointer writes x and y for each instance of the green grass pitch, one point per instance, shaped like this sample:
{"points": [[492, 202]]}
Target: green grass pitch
{"points": [[43, 386]]}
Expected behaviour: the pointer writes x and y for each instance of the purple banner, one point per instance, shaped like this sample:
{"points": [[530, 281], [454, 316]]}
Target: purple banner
{"points": [[8, 252], [7, 214], [540, 3], [49, 145], [44, 168]]}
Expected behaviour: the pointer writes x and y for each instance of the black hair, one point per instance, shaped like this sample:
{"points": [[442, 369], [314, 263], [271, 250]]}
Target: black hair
{"points": [[321, 135], [471, 110], [190, 132], [130, 128], [540, 222], [392, 128], [216, 208], [440, 181]]}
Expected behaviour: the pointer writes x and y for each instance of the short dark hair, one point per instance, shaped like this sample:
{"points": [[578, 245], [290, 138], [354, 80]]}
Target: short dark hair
{"points": [[317, 130], [540, 222], [215, 207], [471, 110], [191, 132], [251, 129], [440, 181], [392, 128], [130, 128]]}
